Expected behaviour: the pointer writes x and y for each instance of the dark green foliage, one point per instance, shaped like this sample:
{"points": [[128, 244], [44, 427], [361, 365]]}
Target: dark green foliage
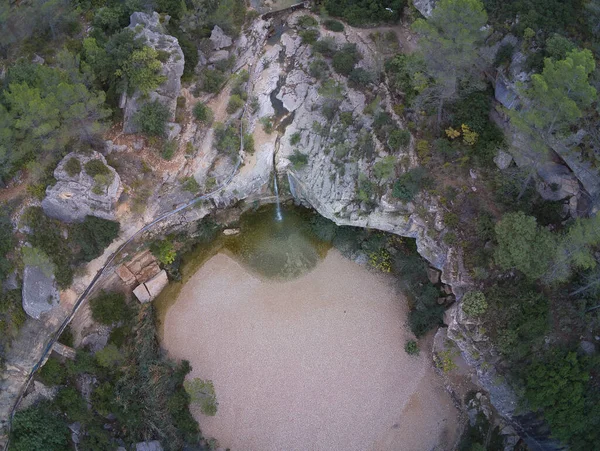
{"points": [[363, 12], [109, 308], [411, 347], [326, 47], [298, 159], [227, 138], [96, 167], [53, 372], [544, 15], [93, 235], [504, 55], [402, 71], [73, 167], [168, 150], [152, 118], [39, 428], [560, 384], [45, 233], [66, 338], [410, 184], [558, 46], [474, 111], [6, 243], [427, 313], [307, 21], [212, 80], [70, 401], [202, 113], [318, 69], [309, 36], [398, 139], [361, 77], [517, 318], [234, 104], [333, 25], [345, 59]]}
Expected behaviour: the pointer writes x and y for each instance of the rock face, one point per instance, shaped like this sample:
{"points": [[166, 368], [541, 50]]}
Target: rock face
{"points": [[40, 294], [73, 197], [425, 7], [154, 445], [219, 39], [149, 28]]}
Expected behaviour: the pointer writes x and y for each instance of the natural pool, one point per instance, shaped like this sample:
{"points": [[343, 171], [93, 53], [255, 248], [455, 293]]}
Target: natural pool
{"points": [[305, 347]]}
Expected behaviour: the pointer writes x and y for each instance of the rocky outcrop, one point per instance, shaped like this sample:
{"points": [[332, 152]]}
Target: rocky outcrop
{"points": [[149, 28], [78, 194], [40, 294], [219, 39], [149, 290], [425, 7]]}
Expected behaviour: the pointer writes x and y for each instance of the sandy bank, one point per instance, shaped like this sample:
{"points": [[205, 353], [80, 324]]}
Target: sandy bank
{"points": [[316, 363]]}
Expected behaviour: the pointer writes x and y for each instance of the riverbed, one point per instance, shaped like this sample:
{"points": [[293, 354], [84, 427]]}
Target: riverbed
{"points": [[315, 362]]}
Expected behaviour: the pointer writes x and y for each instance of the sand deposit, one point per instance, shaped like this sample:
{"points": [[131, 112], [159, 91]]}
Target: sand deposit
{"points": [[315, 363]]}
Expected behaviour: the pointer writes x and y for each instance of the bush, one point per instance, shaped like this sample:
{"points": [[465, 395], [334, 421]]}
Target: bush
{"points": [[309, 36], [249, 143], [203, 113], [73, 167], [361, 77], [227, 139], [410, 184], [398, 139], [93, 235], [298, 159], [326, 47], [70, 402], [504, 55], [333, 25], [164, 251], [307, 21], [411, 347], [474, 303], [109, 308], [53, 372], [168, 150], [235, 103], [345, 59], [212, 80], [96, 167], [39, 428], [295, 138], [202, 392], [152, 119]]}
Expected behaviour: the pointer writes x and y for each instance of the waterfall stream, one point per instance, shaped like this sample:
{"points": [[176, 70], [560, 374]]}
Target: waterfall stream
{"points": [[278, 214]]}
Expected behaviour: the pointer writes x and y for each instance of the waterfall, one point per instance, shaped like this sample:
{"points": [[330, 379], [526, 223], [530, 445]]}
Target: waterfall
{"points": [[278, 215]]}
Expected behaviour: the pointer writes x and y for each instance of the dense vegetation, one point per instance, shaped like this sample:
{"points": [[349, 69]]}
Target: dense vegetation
{"points": [[128, 370]]}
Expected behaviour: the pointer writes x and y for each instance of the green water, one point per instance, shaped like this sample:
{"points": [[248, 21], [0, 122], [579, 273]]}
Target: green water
{"points": [[270, 249]]}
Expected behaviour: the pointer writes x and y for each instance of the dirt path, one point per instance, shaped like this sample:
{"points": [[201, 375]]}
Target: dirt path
{"points": [[316, 363]]}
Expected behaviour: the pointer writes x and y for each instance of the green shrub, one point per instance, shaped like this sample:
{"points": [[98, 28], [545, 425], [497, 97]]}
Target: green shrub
{"points": [[202, 393], [333, 25], [361, 77], [295, 138], [191, 185], [309, 36], [71, 403], [267, 123], [96, 167], [235, 103], [451, 219], [326, 47], [410, 184], [164, 251], [110, 356], [345, 59], [411, 347], [53, 372], [73, 167], [212, 80], [203, 113], [474, 303], [152, 118], [109, 308], [93, 235], [168, 150], [398, 139], [307, 21], [39, 428], [249, 143], [504, 55], [227, 139], [298, 159]]}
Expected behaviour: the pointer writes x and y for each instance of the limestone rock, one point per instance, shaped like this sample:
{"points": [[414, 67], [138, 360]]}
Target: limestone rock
{"points": [[425, 7], [557, 182], [39, 393], [433, 275], [230, 232], [587, 347], [157, 283], [505, 93], [149, 28], [125, 275], [73, 197], [219, 55], [173, 130], [40, 294], [141, 293], [503, 159], [154, 445], [219, 39]]}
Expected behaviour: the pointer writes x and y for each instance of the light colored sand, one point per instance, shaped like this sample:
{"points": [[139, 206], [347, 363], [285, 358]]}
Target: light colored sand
{"points": [[316, 363]]}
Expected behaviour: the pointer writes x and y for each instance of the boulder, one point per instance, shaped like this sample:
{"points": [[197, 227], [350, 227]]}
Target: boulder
{"points": [[219, 39], [39, 393], [157, 283], [434, 275], [141, 293], [505, 93], [587, 347], [74, 197], [154, 445], [556, 182], [503, 159], [40, 294], [173, 130], [149, 29], [125, 275], [425, 7], [219, 55]]}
